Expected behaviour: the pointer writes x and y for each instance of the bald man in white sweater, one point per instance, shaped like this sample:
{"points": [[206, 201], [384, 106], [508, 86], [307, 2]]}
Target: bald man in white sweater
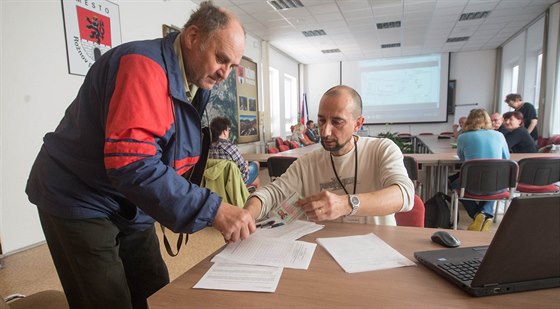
{"points": [[350, 176]]}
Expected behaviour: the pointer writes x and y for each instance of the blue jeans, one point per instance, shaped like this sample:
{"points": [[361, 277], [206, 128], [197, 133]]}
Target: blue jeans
{"points": [[253, 172], [473, 207]]}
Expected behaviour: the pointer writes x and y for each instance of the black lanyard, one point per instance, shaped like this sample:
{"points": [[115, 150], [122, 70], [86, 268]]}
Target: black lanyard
{"points": [[355, 169]]}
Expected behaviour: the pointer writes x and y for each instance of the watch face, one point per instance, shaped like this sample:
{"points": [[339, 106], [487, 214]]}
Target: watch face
{"points": [[354, 200]]}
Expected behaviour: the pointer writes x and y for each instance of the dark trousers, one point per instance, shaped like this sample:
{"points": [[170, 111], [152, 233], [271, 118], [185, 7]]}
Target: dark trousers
{"points": [[102, 267]]}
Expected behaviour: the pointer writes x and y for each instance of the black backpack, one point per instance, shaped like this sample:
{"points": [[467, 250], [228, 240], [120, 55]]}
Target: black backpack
{"points": [[437, 210]]}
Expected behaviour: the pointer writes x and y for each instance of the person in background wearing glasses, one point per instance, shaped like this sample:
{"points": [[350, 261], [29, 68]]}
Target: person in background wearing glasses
{"points": [[498, 123]]}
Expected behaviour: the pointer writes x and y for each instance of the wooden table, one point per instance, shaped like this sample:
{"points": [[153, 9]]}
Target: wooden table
{"points": [[326, 285], [297, 152]]}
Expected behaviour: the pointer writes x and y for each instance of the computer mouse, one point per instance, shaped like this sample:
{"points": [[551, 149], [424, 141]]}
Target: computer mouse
{"points": [[445, 239]]}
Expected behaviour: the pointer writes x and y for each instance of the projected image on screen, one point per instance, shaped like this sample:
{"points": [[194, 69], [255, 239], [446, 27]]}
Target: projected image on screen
{"points": [[400, 90]]}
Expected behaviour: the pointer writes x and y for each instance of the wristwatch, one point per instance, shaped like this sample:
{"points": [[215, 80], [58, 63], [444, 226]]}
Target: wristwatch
{"points": [[354, 202]]}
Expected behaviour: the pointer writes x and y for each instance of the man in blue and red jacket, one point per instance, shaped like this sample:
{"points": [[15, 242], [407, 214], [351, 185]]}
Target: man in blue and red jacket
{"points": [[115, 161]]}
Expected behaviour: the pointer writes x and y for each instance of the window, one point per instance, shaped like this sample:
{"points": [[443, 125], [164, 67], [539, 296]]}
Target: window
{"points": [[291, 103], [538, 81], [275, 102], [514, 78]]}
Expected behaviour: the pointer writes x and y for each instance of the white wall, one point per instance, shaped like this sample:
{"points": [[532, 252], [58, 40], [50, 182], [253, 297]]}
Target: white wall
{"points": [[318, 79], [474, 72], [36, 89]]}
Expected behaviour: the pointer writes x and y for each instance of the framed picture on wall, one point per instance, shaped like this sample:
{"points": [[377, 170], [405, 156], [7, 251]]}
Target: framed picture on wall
{"points": [[236, 99], [91, 29], [247, 101]]}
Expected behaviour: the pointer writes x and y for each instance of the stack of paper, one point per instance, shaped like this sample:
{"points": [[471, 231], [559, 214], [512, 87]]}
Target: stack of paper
{"points": [[256, 264]]}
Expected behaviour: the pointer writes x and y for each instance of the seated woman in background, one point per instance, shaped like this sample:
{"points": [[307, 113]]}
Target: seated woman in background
{"points": [[222, 148], [298, 135], [480, 141], [518, 138]]}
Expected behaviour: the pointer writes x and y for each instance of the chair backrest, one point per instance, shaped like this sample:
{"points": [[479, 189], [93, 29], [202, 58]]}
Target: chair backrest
{"points": [[539, 171], [426, 133], [411, 167], [488, 176], [273, 150], [446, 133], [414, 217], [278, 165], [294, 145], [283, 147], [278, 141]]}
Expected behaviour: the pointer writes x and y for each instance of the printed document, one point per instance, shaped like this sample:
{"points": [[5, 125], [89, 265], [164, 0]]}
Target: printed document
{"points": [[292, 231], [237, 277], [268, 252], [363, 253]]}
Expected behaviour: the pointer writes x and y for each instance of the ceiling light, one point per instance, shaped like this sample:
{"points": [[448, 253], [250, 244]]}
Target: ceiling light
{"points": [[330, 51], [391, 45], [285, 4], [457, 39], [474, 15], [314, 32], [389, 25]]}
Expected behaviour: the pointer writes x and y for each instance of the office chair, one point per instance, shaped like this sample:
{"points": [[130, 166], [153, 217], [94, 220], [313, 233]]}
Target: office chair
{"points": [[485, 180], [273, 150], [278, 166], [414, 217], [446, 134], [426, 133], [538, 176], [283, 147], [411, 166]]}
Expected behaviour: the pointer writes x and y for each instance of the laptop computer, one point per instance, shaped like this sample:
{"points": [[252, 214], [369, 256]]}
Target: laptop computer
{"points": [[523, 255]]}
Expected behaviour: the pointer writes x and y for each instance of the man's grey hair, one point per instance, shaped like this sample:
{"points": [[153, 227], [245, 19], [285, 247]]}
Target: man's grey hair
{"points": [[208, 18]]}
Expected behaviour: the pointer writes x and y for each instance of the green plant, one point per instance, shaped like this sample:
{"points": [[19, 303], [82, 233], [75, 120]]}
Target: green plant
{"points": [[405, 146]]}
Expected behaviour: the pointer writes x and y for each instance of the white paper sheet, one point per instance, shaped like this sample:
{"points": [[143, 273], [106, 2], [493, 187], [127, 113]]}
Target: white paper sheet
{"points": [[292, 231], [268, 252], [237, 277], [363, 253]]}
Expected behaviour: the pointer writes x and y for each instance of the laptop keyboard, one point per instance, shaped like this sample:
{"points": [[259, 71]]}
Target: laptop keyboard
{"points": [[464, 271]]}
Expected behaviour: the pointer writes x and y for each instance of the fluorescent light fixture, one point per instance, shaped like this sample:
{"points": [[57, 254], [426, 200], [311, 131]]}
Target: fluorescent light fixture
{"points": [[330, 51], [474, 15], [389, 25], [285, 4], [391, 45], [311, 33], [457, 39]]}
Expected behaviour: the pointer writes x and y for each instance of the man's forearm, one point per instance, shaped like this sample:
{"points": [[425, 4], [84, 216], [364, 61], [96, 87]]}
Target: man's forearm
{"points": [[254, 206], [532, 126]]}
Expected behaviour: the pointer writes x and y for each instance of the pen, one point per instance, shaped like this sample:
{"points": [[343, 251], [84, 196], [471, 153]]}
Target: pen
{"points": [[277, 225], [263, 225]]}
